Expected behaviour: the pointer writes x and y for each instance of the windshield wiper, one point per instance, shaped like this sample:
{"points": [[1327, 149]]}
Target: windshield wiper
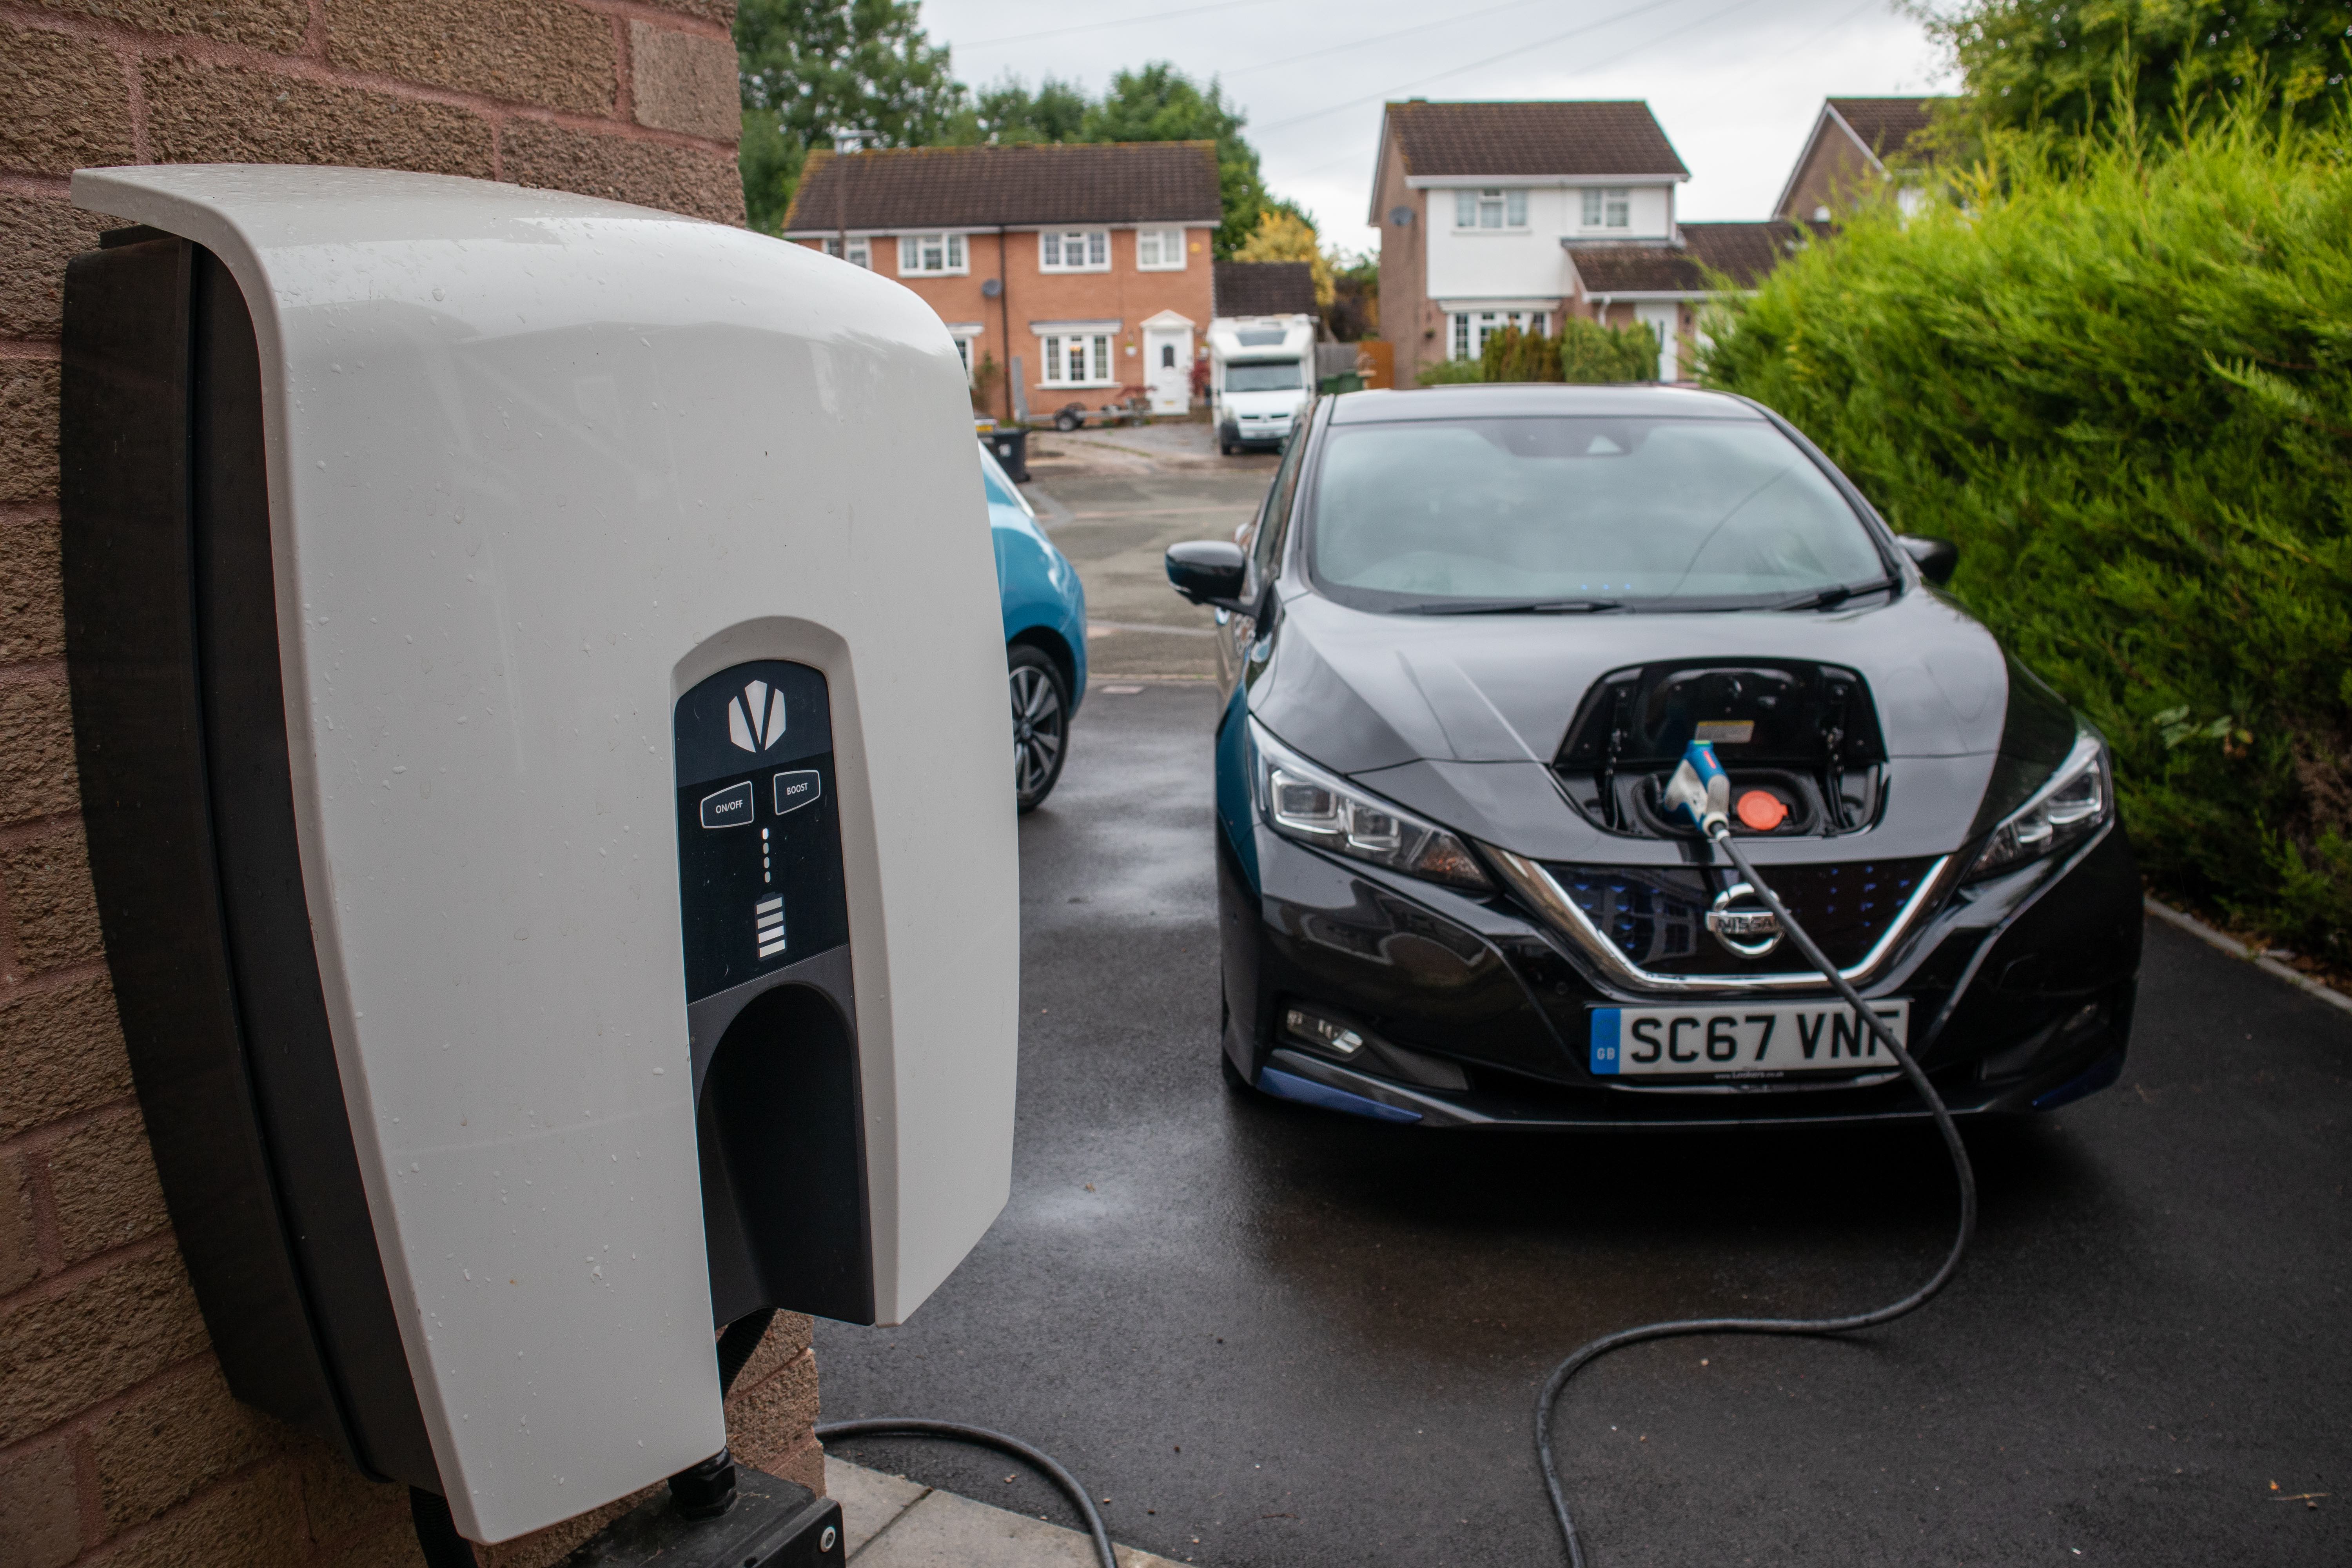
{"points": [[1513, 607], [1836, 594]]}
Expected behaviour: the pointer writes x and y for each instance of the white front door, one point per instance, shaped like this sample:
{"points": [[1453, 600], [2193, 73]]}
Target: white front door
{"points": [[1665, 321], [1168, 368]]}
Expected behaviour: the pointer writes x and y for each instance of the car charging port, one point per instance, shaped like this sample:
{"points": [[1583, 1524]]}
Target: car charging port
{"points": [[1799, 739]]}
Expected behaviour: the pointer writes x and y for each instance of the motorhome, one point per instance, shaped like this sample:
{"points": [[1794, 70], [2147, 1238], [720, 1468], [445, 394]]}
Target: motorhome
{"points": [[1261, 372]]}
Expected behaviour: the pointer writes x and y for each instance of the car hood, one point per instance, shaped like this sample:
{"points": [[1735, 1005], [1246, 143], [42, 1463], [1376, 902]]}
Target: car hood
{"points": [[1460, 716]]}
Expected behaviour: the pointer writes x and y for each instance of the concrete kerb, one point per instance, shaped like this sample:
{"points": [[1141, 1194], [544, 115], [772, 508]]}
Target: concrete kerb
{"points": [[2237, 949], [889, 1522]]}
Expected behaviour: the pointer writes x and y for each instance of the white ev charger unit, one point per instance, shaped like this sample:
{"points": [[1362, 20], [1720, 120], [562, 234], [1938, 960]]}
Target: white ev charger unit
{"points": [[540, 699]]}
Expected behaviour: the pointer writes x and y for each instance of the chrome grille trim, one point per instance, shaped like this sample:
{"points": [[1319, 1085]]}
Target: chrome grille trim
{"points": [[1532, 882]]}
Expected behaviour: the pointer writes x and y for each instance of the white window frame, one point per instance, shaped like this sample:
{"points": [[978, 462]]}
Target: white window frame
{"points": [[861, 250], [1053, 246], [1098, 351], [1164, 241], [966, 342], [1494, 209], [1473, 328], [1607, 206], [918, 252]]}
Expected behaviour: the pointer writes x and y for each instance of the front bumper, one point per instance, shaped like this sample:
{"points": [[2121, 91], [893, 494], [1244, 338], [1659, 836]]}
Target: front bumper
{"points": [[1475, 1011]]}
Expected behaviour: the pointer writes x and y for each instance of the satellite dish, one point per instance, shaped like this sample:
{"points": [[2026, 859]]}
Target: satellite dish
{"points": [[990, 287], [1400, 216]]}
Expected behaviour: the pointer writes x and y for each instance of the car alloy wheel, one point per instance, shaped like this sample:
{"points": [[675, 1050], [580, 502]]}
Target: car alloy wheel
{"points": [[1040, 725]]}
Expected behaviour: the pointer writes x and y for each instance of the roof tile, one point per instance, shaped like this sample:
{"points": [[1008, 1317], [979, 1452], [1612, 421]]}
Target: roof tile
{"points": [[1886, 125], [979, 187], [1264, 289], [1533, 139], [1743, 251]]}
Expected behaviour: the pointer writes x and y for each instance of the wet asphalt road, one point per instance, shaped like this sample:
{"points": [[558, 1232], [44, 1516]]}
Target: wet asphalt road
{"points": [[1270, 1335]]}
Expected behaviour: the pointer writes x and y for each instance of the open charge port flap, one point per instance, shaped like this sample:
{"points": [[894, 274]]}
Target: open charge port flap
{"points": [[1801, 740]]}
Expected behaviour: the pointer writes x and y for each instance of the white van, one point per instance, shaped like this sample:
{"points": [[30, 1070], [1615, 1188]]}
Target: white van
{"points": [[1261, 374]]}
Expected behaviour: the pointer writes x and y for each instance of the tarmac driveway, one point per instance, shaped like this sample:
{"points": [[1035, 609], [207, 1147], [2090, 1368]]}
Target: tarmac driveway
{"points": [[1271, 1335]]}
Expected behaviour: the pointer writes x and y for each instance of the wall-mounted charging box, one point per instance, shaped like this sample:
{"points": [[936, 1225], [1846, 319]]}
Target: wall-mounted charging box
{"points": [[539, 700]]}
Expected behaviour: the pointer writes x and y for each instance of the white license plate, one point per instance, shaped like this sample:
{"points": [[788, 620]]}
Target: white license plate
{"points": [[1743, 1038]]}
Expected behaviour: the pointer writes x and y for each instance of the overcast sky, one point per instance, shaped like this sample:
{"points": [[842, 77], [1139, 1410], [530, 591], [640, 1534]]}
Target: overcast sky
{"points": [[1736, 83]]}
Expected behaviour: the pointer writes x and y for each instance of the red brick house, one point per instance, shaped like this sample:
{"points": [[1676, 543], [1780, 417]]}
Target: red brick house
{"points": [[1485, 209], [1085, 268], [1855, 143]]}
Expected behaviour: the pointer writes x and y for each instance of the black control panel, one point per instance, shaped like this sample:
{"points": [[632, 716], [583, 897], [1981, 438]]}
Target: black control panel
{"points": [[759, 839]]}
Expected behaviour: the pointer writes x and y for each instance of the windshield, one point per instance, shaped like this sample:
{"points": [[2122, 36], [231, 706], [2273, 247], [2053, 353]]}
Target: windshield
{"points": [[1282, 375], [1692, 513]]}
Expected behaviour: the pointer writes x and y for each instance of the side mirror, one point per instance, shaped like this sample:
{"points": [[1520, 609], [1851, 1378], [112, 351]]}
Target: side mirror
{"points": [[1935, 557], [1209, 572]]}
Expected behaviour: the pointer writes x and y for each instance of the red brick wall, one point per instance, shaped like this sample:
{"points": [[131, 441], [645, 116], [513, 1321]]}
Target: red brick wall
{"points": [[1125, 294], [1408, 319], [1831, 173], [119, 1442]]}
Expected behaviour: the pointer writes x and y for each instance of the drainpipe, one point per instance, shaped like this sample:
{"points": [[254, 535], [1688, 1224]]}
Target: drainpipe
{"points": [[1004, 317]]}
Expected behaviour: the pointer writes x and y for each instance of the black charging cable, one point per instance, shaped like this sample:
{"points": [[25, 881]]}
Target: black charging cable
{"points": [[1586, 1355], [903, 1426], [742, 1337]]}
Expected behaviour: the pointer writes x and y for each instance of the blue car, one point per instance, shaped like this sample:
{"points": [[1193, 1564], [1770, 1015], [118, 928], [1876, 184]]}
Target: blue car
{"points": [[1045, 634]]}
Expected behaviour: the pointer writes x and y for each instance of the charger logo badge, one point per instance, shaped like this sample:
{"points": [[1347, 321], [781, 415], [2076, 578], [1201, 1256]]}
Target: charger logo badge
{"points": [[755, 720]]}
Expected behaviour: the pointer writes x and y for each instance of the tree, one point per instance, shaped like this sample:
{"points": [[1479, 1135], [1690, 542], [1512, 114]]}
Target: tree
{"points": [[1286, 234], [815, 70], [2069, 65], [1160, 103], [1009, 113]]}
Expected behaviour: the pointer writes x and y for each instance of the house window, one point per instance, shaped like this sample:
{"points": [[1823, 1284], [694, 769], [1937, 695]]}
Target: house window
{"points": [[930, 253], [967, 348], [1079, 359], [1074, 251], [1473, 328], [1159, 249], [1609, 207], [1490, 209], [860, 255]]}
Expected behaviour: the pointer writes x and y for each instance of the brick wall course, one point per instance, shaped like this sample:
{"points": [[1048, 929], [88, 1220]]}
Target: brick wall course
{"points": [[543, 52], [278, 26], [338, 1502], [69, 102], [66, 1347], [652, 173], [28, 429], [37, 775], [722, 12], [254, 1521], [40, 1527], [20, 1244], [684, 81], [32, 610], [203, 113], [172, 1439], [43, 235], [65, 1050], [50, 896], [102, 1186]]}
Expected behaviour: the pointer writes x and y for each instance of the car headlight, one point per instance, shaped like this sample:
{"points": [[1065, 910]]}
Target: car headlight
{"points": [[2076, 802], [1311, 805]]}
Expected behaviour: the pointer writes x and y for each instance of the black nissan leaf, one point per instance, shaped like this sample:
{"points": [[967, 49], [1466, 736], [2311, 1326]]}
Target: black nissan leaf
{"points": [[1465, 643]]}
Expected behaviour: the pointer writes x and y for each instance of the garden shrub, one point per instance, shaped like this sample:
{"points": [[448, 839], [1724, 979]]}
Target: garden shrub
{"points": [[1589, 351], [2118, 372]]}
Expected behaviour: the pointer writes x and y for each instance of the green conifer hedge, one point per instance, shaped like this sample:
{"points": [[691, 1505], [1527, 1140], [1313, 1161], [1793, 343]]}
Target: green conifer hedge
{"points": [[2118, 372]]}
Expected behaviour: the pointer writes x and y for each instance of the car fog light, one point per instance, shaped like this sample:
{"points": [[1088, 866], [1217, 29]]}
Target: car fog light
{"points": [[1322, 1033]]}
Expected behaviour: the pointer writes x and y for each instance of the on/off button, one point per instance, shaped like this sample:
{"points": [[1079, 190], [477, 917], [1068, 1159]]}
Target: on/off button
{"points": [[730, 807]]}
